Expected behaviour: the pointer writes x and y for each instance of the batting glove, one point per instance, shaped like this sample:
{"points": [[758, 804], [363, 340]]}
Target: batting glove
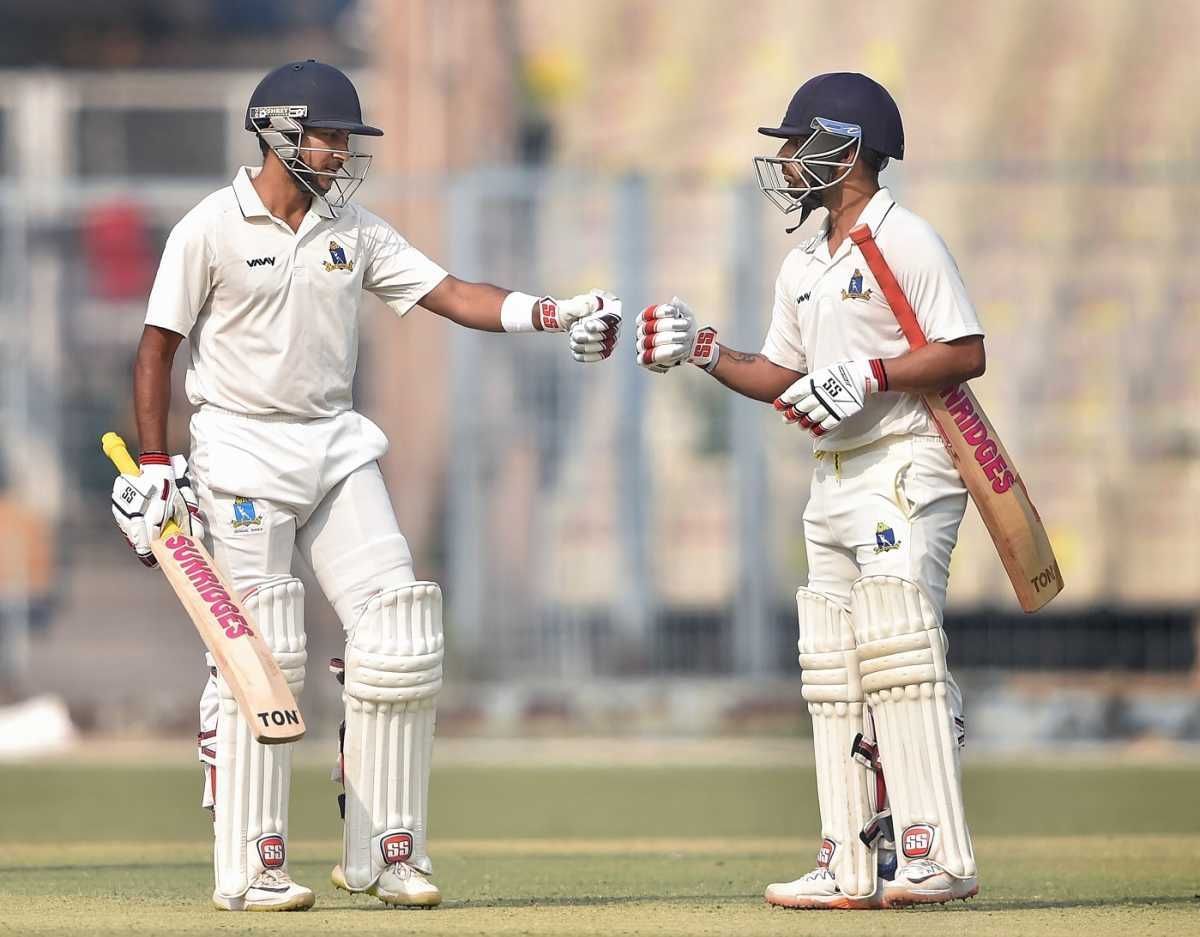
{"points": [[821, 400], [594, 337], [668, 335], [558, 315], [142, 504]]}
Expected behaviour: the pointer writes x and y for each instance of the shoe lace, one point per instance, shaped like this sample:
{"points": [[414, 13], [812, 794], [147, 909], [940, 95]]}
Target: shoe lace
{"points": [[273, 877]]}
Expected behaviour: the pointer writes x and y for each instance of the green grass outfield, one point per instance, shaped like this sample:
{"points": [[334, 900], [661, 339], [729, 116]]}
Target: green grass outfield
{"points": [[1079, 848]]}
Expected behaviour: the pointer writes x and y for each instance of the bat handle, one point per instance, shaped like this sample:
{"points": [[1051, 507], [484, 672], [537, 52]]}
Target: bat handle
{"points": [[114, 447]]}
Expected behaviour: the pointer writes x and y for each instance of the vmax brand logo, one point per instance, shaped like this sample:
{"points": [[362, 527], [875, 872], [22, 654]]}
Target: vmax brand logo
{"points": [[261, 262]]}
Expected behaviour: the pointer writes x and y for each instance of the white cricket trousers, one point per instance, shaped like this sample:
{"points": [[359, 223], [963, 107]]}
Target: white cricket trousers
{"points": [[274, 487], [889, 508]]}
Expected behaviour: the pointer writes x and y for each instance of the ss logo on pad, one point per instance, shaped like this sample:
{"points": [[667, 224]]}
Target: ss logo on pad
{"points": [[396, 846]]}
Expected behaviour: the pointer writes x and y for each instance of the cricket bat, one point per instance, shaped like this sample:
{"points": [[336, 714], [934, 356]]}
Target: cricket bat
{"points": [[242, 656], [987, 470]]}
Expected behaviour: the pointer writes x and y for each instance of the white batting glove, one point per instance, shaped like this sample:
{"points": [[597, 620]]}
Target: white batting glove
{"points": [[594, 337], [558, 315], [142, 504], [668, 335], [821, 400]]}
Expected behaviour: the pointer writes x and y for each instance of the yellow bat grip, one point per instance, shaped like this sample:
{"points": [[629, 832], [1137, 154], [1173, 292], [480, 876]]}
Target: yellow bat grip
{"points": [[114, 447]]}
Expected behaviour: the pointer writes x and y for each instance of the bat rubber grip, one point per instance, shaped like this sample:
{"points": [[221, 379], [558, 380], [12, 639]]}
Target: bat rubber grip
{"points": [[114, 447]]}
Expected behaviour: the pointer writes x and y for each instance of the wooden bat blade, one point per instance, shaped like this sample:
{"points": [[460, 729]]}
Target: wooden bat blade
{"points": [[990, 475], [241, 655], [987, 470]]}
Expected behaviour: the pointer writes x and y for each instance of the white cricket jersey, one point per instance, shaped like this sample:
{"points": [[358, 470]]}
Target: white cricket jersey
{"points": [[272, 314], [830, 309]]}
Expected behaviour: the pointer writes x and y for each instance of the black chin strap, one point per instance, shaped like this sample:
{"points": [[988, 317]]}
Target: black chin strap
{"points": [[805, 211]]}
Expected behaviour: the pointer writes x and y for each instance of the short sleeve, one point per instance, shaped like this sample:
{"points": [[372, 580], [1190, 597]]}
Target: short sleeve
{"points": [[936, 291], [184, 279], [397, 272], [784, 345]]}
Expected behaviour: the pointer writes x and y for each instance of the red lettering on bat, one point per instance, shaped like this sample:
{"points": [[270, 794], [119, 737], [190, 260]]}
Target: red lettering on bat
{"points": [[951, 395], [976, 435], [208, 586], [967, 422], [986, 452], [235, 626], [998, 474], [204, 577], [961, 409]]}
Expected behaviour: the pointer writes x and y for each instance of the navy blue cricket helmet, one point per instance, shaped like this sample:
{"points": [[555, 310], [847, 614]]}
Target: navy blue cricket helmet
{"points": [[311, 95], [833, 118], [849, 98], [324, 92]]}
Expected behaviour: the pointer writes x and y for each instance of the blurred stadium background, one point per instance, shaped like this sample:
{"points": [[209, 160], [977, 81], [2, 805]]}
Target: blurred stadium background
{"points": [[639, 580]]}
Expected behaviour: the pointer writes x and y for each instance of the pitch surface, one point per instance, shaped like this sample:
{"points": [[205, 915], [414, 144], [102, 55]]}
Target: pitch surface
{"points": [[1082, 849]]}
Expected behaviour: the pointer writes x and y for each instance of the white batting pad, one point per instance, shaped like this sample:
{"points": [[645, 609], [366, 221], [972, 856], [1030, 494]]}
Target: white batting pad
{"points": [[253, 780], [902, 649], [829, 671], [393, 676]]}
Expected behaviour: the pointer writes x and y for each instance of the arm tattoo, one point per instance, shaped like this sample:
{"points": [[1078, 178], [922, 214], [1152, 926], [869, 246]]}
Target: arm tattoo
{"points": [[744, 356]]}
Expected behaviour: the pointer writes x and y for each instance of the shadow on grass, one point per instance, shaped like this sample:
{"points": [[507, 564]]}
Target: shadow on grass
{"points": [[581, 901], [1059, 904]]}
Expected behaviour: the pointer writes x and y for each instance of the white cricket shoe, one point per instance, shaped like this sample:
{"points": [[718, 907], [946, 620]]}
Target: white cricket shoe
{"points": [[400, 885], [818, 891], [271, 890], [926, 882]]}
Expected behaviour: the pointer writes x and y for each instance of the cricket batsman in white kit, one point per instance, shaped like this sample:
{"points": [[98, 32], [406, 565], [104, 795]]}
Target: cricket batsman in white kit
{"points": [[265, 279], [886, 499]]}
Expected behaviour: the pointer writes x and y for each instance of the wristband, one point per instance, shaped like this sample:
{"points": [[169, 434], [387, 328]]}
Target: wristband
{"points": [[879, 374], [154, 458], [516, 312]]}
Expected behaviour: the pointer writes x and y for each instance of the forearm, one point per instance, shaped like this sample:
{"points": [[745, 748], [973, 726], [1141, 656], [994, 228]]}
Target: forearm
{"points": [[939, 364], [152, 390], [473, 305], [753, 375]]}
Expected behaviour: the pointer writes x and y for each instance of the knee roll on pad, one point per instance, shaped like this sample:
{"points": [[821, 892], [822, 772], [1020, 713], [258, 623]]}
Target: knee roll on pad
{"points": [[902, 650], [278, 610], [252, 780], [833, 691], [392, 678]]}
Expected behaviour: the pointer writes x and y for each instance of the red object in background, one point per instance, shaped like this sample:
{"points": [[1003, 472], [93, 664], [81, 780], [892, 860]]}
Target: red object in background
{"points": [[116, 246]]}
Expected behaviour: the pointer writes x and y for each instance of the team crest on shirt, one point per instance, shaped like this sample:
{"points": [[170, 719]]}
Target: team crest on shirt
{"points": [[338, 261], [245, 515], [885, 538], [855, 290]]}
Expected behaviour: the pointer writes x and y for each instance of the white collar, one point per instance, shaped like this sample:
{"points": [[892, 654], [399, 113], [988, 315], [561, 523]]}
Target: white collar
{"points": [[252, 206]]}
